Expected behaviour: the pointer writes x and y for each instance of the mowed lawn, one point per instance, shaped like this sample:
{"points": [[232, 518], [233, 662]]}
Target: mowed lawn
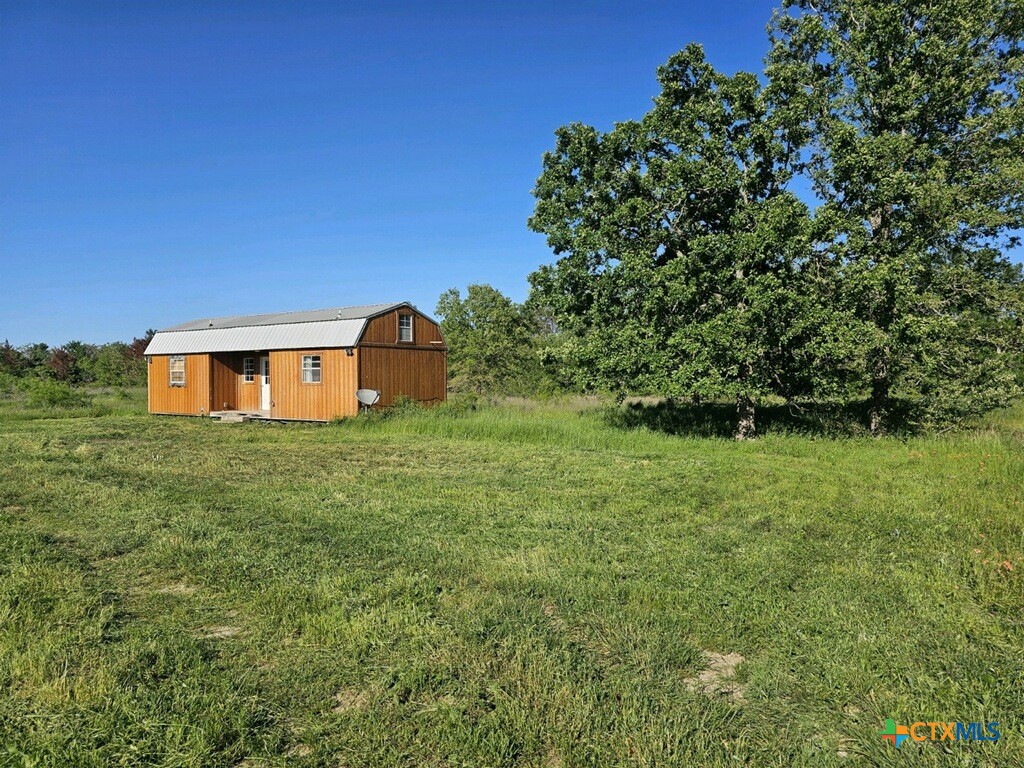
{"points": [[523, 585]]}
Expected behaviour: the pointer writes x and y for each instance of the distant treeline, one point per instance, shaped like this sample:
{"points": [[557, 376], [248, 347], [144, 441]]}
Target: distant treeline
{"points": [[116, 364]]}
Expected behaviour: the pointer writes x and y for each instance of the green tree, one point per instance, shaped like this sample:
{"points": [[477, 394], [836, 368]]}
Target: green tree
{"points": [[918, 160], [684, 262], [135, 353], [85, 360], [489, 341], [113, 365], [35, 357]]}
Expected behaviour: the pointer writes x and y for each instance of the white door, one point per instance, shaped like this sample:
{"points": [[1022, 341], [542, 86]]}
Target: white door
{"points": [[264, 383]]}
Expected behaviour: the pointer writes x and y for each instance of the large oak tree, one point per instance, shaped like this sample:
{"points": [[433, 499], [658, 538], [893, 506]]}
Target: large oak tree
{"points": [[918, 159], [684, 260], [687, 266]]}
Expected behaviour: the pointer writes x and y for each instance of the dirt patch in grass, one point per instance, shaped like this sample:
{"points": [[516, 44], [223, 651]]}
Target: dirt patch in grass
{"points": [[348, 699], [182, 590], [551, 612], [719, 679], [552, 759], [219, 633]]}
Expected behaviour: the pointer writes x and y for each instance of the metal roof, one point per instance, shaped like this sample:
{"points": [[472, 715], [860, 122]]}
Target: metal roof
{"points": [[340, 327], [281, 318]]}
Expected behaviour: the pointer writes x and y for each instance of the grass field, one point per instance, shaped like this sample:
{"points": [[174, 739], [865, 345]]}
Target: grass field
{"points": [[527, 585]]}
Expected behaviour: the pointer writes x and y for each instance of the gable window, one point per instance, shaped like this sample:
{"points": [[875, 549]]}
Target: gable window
{"points": [[311, 369], [405, 327], [249, 369], [176, 370]]}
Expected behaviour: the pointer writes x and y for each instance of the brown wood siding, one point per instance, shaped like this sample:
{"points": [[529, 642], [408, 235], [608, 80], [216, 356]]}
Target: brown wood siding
{"points": [[417, 373], [384, 330], [230, 390], [192, 399], [223, 375], [334, 396], [247, 394]]}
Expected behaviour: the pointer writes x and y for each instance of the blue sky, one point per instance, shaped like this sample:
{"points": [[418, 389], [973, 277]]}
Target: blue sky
{"points": [[163, 162]]}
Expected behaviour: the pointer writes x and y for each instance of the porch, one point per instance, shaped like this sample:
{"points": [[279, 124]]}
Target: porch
{"points": [[240, 384]]}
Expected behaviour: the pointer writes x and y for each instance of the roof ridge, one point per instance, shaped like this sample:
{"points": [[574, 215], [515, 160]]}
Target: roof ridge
{"points": [[176, 329], [305, 311]]}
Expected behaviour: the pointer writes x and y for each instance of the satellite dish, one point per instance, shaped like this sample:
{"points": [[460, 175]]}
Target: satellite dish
{"points": [[367, 397]]}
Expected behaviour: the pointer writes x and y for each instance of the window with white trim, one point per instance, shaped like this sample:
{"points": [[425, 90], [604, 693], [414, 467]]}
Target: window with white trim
{"points": [[311, 369], [405, 327], [249, 369], [176, 370]]}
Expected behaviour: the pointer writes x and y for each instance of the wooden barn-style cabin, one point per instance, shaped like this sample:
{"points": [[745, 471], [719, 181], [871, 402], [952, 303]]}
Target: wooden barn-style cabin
{"points": [[304, 366]]}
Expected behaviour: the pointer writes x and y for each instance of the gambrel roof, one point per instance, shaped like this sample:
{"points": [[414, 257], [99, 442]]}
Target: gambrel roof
{"points": [[312, 329]]}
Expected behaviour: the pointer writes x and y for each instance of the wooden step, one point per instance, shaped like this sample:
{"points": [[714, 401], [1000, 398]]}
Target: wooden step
{"points": [[232, 417]]}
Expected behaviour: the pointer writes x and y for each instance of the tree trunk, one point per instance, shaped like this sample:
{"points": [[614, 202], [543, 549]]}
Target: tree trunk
{"points": [[745, 428], [879, 395], [879, 405]]}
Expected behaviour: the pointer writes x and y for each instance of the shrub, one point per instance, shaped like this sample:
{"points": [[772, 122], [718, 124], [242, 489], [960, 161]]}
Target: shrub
{"points": [[8, 383], [458, 405], [47, 393]]}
